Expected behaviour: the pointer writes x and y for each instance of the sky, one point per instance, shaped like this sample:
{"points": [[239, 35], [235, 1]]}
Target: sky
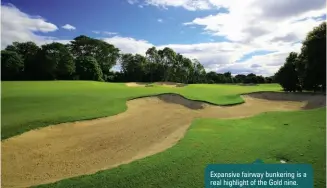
{"points": [[240, 36]]}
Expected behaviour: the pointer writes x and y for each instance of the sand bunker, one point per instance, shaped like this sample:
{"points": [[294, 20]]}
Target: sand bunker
{"points": [[312, 100], [136, 84], [170, 84], [166, 84], [150, 125]]}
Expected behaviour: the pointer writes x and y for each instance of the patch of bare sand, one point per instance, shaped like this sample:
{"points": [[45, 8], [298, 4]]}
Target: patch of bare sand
{"points": [[166, 84], [171, 84], [150, 125], [136, 84]]}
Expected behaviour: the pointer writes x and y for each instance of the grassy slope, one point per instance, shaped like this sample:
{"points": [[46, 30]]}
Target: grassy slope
{"points": [[296, 136], [29, 105]]}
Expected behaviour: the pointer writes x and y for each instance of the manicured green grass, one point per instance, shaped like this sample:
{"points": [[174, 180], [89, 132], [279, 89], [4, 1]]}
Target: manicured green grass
{"points": [[296, 136], [29, 105]]}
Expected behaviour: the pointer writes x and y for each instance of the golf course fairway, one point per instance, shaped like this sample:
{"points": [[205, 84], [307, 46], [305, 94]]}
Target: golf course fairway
{"points": [[163, 140]]}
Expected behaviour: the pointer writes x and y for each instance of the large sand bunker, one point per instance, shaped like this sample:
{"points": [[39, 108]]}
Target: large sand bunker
{"points": [[166, 84], [150, 125]]}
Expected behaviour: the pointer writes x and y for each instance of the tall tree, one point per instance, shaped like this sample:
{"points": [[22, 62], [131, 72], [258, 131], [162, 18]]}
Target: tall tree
{"points": [[28, 51], [87, 68], [12, 65], [212, 77], [153, 61], [199, 72], [240, 78], [186, 69], [105, 54], [312, 60], [287, 76], [167, 56], [251, 78], [56, 62], [228, 77], [133, 67], [261, 79]]}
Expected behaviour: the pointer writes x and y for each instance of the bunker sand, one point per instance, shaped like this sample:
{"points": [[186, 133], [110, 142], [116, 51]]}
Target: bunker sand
{"points": [[166, 84], [136, 84], [150, 125]]}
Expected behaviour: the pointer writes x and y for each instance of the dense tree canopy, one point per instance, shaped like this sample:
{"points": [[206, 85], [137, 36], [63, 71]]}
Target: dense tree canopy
{"points": [[12, 65], [286, 75], [105, 54], [28, 51], [134, 67], [87, 58], [87, 68], [56, 62], [306, 70]]}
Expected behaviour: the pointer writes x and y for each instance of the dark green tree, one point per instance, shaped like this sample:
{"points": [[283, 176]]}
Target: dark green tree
{"points": [[105, 54], [240, 78], [251, 78], [153, 62], [28, 51], [212, 77], [12, 65], [199, 73], [186, 70], [228, 77], [260, 79], [287, 76], [270, 79], [134, 67], [167, 58], [87, 68], [56, 62], [311, 64]]}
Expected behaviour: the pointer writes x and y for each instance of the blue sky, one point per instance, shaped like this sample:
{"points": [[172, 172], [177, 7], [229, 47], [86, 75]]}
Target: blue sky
{"points": [[119, 16], [223, 35]]}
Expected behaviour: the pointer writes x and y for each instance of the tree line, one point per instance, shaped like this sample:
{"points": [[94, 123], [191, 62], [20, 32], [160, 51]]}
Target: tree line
{"points": [[306, 70], [86, 58]]}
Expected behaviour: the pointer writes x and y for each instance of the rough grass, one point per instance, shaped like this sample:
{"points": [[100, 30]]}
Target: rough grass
{"points": [[29, 105], [297, 136]]}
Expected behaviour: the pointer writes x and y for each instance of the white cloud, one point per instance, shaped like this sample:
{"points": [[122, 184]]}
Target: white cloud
{"points": [[68, 27], [265, 65], [213, 56], [129, 45], [20, 27], [50, 40], [191, 5], [273, 25], [250, 26], [217, 56], [105, 33], [160, 20], [256, 19], [132, 1], [109, 33]]}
